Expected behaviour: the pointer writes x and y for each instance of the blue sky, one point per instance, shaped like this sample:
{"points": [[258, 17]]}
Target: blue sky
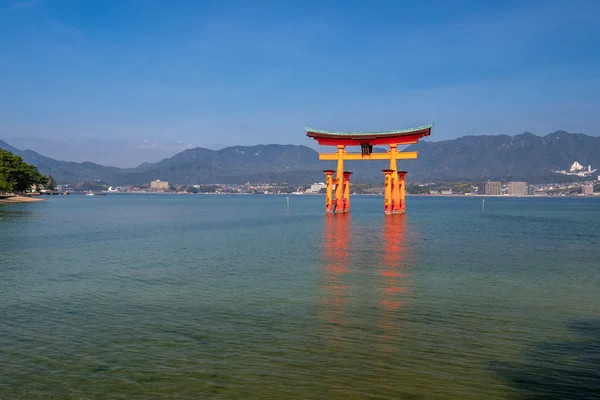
{"points": [[170, 74]]}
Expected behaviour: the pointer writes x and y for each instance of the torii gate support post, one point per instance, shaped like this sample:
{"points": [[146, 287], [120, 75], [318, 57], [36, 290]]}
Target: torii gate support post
{"points": [[347, 191], [329, 190], [339, 177], [387, 191], [396, 207], [402, 177]]}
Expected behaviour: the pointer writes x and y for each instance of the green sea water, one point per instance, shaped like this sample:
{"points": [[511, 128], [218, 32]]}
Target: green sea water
{"points": [[240, 297]]}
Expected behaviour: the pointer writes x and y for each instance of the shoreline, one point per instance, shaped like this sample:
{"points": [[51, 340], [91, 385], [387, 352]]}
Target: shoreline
{"points": [[19, 199], [529, 196]]}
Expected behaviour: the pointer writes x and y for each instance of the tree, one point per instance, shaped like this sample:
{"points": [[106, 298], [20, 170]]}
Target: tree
{"points": [[50, 183], [416, 189], [16, 176], [208, 189], [92, 186]]}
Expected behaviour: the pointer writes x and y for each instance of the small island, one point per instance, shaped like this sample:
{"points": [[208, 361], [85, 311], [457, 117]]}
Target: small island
{"points": [[17, 178]]}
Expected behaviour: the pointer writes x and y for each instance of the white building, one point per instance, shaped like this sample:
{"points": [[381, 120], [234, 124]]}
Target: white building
{"points": [[576, 167], [316, 187], [159, 185]]}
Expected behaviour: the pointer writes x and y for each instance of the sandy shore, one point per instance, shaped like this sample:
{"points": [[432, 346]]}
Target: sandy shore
{"points": [[19, 199]]}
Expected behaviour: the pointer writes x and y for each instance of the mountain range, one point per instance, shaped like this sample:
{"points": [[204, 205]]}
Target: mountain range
{"points": [[526, 156]]}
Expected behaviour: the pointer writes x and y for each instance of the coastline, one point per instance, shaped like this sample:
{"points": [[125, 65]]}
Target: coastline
{"points": [[19, 199], [508, 196]]}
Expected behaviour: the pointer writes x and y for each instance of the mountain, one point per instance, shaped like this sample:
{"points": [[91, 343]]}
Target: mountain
{"points": [[64, 171], [237, 164], [525, 156], [8, 147]]}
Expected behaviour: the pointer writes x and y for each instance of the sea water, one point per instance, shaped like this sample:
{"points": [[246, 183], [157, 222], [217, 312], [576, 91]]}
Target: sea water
{"points": [[243, 297]]}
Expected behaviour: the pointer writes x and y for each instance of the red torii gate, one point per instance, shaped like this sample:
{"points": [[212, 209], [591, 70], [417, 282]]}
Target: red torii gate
{"points": [[394, 193]]}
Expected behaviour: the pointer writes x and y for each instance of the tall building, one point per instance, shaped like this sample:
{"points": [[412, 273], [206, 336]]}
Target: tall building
{"points": [[159, 185], [587, 190], [516, 188], [491, 188], [531, 190]]}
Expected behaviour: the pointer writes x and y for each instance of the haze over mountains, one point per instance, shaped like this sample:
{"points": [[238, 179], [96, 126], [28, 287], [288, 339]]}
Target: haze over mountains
{"points": [[525, 156], [121, 152]]}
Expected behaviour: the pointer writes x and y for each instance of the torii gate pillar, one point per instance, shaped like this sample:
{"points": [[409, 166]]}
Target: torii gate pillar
{"points": [[347, 191], [402, 182], [388, 191], [339, 178], [329, 190]]}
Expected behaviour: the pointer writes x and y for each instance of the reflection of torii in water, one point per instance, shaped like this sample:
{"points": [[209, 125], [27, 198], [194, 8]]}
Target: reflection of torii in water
{"points": [[336, 260], [393, 272], [336, 240]]}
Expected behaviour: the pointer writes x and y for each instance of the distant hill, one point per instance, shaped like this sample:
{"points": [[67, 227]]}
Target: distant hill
{"points": [[525, 156], [237, 164], [64, 171]]}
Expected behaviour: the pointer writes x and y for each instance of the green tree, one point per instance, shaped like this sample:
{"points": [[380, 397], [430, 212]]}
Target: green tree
{"points": [[5, 187], [416, 189], [50, 183], [208, 189], [93, 186], [16, 176]]}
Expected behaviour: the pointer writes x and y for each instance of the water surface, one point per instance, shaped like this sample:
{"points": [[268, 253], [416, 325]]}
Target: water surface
{"points": [[186, 297]]}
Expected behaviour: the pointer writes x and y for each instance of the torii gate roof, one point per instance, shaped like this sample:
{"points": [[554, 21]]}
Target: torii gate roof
{"points": [[382, 137]]}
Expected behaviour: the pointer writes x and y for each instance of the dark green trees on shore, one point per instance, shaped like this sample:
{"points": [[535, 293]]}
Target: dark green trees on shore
{"points": [[16, 176]]}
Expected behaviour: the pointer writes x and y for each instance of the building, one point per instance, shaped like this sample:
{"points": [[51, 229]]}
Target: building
{"points": [[531, 190], [587, 190], [159, 185], [446, 192], [490, 188], [576, 167], [516, 188], [316, 187]]}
